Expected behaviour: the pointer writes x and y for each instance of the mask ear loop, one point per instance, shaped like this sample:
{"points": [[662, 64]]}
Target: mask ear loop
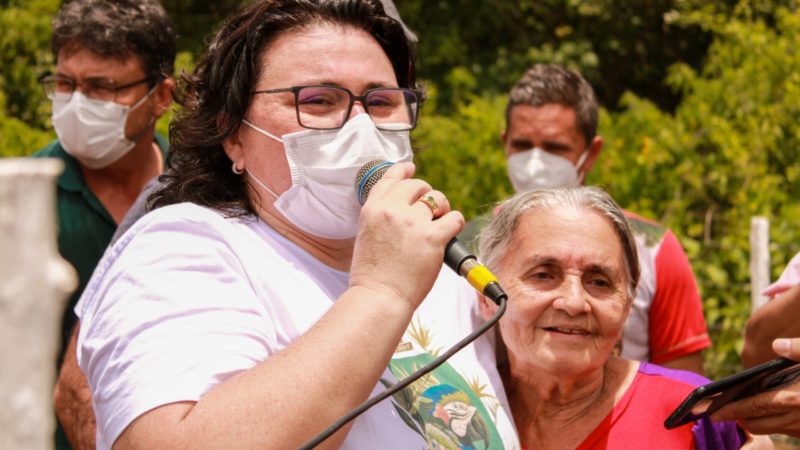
{"points": [[579, 166], [151, 122], [260, 130], [249, 174], [260, 183]]}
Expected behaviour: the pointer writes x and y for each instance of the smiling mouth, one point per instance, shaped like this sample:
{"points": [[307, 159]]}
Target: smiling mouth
{"points": [[567, 330]]}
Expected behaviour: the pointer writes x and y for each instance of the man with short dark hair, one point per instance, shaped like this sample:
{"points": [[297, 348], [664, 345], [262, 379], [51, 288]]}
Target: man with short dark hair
{"points": [[551, 141], [112, 81]]}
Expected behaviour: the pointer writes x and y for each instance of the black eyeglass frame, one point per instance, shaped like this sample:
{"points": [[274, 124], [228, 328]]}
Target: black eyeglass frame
{"points": [[418, 96], [44, 78]]}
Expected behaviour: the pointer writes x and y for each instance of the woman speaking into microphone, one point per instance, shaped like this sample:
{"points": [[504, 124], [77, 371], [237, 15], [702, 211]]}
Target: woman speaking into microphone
{"points": [[259, 302]]}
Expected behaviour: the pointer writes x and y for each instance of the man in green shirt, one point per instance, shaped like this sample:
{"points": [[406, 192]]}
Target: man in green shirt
{"points": [[85, 225], [112, 81]]}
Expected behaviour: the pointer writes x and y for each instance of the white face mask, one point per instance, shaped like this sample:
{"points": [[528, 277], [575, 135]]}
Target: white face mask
{"points": [[323, 164], [538, 169], [93, 131]]}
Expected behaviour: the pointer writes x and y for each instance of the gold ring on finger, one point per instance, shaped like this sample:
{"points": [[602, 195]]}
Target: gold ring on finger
{"points": [[431, 203]]}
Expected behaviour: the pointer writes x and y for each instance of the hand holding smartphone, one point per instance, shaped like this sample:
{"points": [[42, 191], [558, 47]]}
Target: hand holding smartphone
{"points": [[710, 397]]}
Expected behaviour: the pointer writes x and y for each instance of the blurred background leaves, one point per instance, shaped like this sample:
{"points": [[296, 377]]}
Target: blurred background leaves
{"points": [[700, 101]]}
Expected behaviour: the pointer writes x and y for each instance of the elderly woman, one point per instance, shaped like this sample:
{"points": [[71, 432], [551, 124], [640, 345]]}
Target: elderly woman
{"points": [[257, 303], [568, 263]]}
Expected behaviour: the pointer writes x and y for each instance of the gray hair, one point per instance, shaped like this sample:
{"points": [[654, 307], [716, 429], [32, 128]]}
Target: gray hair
{"points": [[495, 238]]}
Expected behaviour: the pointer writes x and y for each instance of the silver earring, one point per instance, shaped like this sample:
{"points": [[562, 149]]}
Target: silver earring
{"points": [[235, 170]]}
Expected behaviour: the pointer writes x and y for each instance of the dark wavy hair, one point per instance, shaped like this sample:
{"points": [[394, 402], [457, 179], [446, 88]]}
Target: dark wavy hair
{"points": [[544, 84], [216, 95], [117, 29]]}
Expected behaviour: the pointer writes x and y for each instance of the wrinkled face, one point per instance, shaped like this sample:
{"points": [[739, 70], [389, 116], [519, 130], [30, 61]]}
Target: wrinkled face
{"points": [[318, 55], [566, 281], [551, 127]]}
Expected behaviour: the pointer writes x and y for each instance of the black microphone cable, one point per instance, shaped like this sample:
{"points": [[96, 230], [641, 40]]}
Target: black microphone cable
{"points": [[357, 411]]}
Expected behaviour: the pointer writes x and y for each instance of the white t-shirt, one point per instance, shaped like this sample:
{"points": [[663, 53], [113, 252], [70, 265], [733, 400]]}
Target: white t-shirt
{"points": [[187, 298]]}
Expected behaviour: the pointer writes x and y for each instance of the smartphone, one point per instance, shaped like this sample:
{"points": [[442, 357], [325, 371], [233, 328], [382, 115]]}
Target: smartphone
{"points": [[712, 396]]}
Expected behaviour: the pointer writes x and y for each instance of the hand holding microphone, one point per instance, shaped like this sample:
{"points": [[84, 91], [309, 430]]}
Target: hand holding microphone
{"points": [[399, 246], [423, 223], [456, 256]]}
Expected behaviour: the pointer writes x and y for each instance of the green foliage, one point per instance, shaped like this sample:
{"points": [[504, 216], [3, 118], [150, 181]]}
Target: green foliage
{"points": [[618, 45], [196, 19], [700, 120], [184, 63], [24, 55], [463, 153], [729, 152], [18, 138]]}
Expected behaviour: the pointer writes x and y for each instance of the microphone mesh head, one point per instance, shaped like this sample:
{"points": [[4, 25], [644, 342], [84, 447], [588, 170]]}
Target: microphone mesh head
{"points": [[369, 175]]}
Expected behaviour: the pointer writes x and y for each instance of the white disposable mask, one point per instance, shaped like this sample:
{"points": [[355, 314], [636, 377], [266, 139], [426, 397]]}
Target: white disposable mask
{"points": [[538, 169], [93, 131], [323, 165]]}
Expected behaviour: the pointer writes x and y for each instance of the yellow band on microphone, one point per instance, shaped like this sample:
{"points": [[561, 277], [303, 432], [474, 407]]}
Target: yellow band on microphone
{"points": [[480, 277]]}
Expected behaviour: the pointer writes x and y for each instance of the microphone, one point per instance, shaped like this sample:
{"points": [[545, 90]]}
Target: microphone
{"points": [[456, 256]]}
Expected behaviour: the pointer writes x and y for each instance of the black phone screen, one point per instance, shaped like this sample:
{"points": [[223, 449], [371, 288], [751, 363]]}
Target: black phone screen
{"points": [[710, 397]]}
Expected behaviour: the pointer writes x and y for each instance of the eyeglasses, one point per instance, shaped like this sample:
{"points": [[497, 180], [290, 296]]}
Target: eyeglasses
{"points": [[328, 107], [93, 88]]}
